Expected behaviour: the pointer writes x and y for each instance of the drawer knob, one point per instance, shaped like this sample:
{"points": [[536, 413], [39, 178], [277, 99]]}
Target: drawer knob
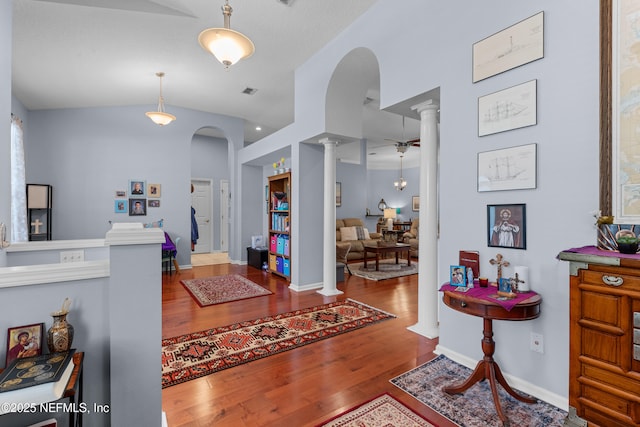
{"points": [[463, 304], [612, 280]]}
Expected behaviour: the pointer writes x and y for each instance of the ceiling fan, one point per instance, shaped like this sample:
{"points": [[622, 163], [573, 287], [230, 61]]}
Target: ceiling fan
{"points": [[402, 146]]}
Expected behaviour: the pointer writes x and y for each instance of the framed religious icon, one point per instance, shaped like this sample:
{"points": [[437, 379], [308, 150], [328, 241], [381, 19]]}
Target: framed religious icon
{"points": [[506, 226], [24, 341]]}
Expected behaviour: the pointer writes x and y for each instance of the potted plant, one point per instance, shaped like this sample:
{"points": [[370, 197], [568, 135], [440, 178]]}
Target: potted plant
{"points": [[627, 244]]}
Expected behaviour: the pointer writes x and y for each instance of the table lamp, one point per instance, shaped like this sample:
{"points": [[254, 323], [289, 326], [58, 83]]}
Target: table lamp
{"points": [[390, 215]]}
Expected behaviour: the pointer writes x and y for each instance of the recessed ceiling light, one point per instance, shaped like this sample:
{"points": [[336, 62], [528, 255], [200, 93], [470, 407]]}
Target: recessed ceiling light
{"points": [[258, 128]]}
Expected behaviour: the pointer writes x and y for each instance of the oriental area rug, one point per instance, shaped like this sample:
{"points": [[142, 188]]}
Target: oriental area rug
{"points": [[388, 269], [194, 355], [383, 411], [219, 289], [474, 407]]}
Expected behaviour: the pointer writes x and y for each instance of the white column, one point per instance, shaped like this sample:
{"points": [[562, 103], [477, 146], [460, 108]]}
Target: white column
{"points": [[428, 233], [329, 235]]}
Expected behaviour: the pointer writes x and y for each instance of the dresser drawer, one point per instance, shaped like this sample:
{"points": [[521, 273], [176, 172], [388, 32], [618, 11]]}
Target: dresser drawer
{"points": [[611, 280]]}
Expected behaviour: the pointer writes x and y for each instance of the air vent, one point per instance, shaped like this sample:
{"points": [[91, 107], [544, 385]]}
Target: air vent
{"points": [[249, 91]]}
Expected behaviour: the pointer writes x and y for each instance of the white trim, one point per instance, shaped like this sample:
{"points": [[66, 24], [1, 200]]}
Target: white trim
{"points": [[55, 245], [50, 273], [309, 287], [133, 233]]}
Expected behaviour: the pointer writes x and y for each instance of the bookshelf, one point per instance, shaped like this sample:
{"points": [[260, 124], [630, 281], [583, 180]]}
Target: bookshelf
{"points": [[280, 225]]}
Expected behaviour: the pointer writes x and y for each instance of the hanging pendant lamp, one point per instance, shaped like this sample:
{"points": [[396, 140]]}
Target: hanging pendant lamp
{"points": [[226, 45], [160, 117], [401, 183]]}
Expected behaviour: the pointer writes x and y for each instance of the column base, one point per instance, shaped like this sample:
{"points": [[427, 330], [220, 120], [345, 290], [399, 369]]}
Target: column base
{"points": [[425, 331]]}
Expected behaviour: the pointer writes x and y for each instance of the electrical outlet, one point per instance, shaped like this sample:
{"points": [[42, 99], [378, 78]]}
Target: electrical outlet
{"points": [[71, 256], [537, 343]]}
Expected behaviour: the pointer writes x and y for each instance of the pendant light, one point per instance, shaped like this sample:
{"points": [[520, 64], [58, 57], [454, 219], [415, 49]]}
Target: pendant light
{"points": [[226, 45], [160, 117], [401, 183]]}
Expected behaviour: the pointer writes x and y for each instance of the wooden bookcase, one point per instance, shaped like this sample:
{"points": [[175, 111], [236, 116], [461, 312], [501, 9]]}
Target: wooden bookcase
{"points": [[279, 241]]}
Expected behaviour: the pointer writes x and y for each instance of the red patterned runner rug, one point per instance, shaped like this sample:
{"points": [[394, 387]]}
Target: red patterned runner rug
{"points": [[383, 411], [226, 288], [194, 355]]}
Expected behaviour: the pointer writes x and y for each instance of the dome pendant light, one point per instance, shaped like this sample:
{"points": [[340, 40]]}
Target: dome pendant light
{"points": [[226, 45], [160, 117]]}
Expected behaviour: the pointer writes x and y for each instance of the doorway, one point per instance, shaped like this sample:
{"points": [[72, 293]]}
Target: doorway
{"points": [[202, 202]]}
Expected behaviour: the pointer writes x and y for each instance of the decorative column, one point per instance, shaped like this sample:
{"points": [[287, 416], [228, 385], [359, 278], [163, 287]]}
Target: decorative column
{"points": [[329, 227], [428, 233]]}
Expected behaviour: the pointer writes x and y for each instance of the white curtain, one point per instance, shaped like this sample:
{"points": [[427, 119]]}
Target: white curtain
{"points": [[18, 183]]}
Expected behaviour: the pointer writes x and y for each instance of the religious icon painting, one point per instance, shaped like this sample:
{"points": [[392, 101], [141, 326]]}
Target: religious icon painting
{"points": [[24, 341], [506, 226]]}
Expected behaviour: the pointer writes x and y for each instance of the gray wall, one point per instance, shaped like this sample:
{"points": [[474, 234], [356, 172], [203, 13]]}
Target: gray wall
{"points": [[5, 111], [431, 47], [88, 154]]}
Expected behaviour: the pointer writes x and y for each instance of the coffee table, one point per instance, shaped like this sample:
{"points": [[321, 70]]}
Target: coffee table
{"points": [[396, 248]]}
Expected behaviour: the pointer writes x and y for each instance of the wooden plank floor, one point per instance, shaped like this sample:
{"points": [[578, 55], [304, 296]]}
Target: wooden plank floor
{"points": [[303, 386]]}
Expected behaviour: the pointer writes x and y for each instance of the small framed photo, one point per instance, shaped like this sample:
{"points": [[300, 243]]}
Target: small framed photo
{"points": [[457, 275], [153, 203], [120, 206], [137, 207], [504, 285], [153, 190], [24, 341], [121, 193], [137, 187], [415, 203], [506, 226], [338, 194]]}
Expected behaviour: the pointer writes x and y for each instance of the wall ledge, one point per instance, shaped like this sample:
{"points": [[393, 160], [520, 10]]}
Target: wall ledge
{"points": [[133, 233], [50, 273], [55, 245]]}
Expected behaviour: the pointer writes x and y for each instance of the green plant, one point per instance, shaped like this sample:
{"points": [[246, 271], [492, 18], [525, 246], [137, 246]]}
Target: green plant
{"points": [[627, 240]]}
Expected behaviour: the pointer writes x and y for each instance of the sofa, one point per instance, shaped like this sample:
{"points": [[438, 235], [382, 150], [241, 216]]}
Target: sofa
{"points": [[352, 231], [411, 237]]}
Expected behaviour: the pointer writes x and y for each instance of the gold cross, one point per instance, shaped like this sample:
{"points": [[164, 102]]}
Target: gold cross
{"points": [[500, 263], [37, 223], [516, 283]]}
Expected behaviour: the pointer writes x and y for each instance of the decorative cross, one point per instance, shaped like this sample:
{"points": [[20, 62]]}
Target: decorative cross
{"points": [[37, 223], [515, 283], [500, 263]]}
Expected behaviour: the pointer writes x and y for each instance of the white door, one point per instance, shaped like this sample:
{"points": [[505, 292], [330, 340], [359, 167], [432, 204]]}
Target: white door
{"points": [[224, 215], [201, 201]]}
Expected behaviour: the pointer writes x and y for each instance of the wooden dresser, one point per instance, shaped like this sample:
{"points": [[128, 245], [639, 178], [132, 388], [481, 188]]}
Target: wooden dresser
{"points": [[604, 349]]}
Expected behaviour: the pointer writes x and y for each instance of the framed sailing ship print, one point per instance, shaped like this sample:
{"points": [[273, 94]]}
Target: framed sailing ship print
{"points": [[508, 109], [511, 168]]}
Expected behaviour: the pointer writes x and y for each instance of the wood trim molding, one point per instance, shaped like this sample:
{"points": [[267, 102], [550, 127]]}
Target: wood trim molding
{"points": [[605, 106]]}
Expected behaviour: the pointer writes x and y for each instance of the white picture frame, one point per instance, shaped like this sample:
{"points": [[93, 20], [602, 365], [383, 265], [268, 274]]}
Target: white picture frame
{"points": [[508, 109], [513, 168], [516, 45]]}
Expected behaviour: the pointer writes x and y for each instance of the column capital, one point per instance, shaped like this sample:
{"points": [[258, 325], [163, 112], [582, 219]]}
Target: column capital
{"points": [[429, 104], [328, 141]]}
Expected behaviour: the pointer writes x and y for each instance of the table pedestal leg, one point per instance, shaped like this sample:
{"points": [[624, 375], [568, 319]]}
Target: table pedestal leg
{"points": [[488, 369]]}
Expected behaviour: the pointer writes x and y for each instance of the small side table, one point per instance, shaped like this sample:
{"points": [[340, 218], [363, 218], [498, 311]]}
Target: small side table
{"points": [[256, 257], [487, 368]]}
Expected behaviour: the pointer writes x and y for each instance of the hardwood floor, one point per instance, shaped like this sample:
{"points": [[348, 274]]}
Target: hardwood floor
{"points": [[303, 386]]}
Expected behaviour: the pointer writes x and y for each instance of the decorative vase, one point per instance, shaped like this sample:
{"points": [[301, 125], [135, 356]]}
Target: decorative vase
{"points": [[60, 334], [628, 248]]}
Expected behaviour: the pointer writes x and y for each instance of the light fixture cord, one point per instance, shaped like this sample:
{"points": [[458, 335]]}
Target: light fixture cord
{"points": [[226, 12], [160, 98]]}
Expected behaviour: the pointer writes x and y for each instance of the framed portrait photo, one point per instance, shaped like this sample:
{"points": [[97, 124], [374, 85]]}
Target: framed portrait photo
{"points": [[24, 341], [121, 206], [137, 187], [506, 226], [457, 275], [153, 190], [153, 203], [137, 207]]}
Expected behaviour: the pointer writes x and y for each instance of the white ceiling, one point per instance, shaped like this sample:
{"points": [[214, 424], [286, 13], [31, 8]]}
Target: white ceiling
{"points": [[92, 53]]}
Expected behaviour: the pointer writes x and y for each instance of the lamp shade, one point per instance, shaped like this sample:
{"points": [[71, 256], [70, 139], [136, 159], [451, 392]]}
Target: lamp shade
{"points": [[390, 213], [228, 46], [160, 118]]}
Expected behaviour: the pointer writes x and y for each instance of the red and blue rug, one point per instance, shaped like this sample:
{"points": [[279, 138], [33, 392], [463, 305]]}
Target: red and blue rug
{"points": [[226, 288], [194, 355], [474, 407]]}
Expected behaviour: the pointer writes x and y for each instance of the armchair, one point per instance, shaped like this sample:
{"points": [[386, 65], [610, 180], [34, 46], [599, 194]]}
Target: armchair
{"points": [[411, 237]]}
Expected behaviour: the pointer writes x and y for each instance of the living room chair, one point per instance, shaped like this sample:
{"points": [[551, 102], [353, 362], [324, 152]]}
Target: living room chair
{"points": [[342, 250]]}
